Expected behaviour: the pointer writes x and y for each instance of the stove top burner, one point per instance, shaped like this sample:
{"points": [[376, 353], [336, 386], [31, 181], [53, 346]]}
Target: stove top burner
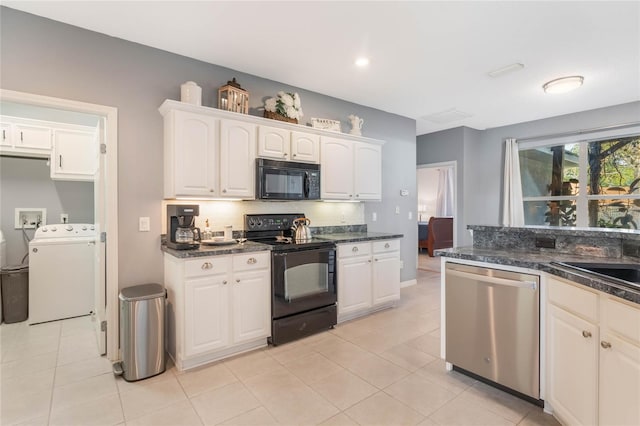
{"points": [[275, 230]]}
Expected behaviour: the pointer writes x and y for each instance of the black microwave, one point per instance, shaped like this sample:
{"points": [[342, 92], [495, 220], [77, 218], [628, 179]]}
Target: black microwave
{"points": [[287, 180]]}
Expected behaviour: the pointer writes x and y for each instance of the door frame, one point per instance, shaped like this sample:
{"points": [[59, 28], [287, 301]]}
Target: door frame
{"points": [[110, 203], [454, 165]]}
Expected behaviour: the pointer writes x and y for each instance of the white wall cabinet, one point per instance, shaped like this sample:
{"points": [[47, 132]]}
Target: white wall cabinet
{"points": [[282, 144], [350, 170], [237, 159], [218, 306], [26, 136], [22, 136], [593, 356], [74, 155], [368, 277], [190, 155], [6, 140]]}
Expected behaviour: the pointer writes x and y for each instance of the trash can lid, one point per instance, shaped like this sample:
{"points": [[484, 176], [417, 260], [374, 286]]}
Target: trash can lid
{"points": [[142, 292], [12, 269]]}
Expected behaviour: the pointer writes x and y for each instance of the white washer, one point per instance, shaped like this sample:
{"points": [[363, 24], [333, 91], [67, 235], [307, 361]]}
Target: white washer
{"points": [[61, 272]]}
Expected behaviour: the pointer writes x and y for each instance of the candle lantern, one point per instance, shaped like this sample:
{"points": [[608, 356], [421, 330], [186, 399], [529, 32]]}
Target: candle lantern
{"points": [[232, 97]]}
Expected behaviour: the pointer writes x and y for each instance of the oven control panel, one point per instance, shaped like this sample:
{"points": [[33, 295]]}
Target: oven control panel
{"points": [[270, 222]]}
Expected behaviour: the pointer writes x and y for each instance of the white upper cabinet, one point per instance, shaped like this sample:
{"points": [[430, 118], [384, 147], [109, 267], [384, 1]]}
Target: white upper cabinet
{"points": [[5, 137], [190, 155], [74, 155], [286, 145], [350, 170], [32, 137], [305, 147], [274, 142], [237, 159]]}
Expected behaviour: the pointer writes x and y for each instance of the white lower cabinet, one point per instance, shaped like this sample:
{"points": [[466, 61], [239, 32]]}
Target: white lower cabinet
{"points": [[368, 277], [218, 306], [593, 356]]}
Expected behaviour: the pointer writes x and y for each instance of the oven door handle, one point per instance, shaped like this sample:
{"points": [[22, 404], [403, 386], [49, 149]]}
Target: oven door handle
{"points": [[494, 280]]}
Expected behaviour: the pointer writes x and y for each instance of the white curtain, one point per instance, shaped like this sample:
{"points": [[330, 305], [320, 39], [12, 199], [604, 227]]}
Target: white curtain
{"points": [[512, 208], [444, 200]]}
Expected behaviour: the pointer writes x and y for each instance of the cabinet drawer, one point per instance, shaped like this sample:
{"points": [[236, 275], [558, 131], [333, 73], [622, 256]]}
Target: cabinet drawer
{"points": [[622, 319], [386, 245], [251, 261], [206, 266], [574, 299], [354, 249]]}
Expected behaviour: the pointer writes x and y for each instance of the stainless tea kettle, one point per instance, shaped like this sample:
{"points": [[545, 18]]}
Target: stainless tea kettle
{"points": [[301, 230]]}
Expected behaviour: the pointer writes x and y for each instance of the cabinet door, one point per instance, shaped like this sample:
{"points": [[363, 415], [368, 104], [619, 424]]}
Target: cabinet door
{"points": [[386, 278], [619, 382], [74, 155], [251, 305], [305, 147], [572, 367], [5, 136], [206, 323], [33, 137], [336, 159], [367, 171], [237, 159], [192, 155], [354, 284], [274, 143]]}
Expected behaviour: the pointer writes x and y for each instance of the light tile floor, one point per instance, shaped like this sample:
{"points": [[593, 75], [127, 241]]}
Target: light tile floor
{"points": [[380, 370]]}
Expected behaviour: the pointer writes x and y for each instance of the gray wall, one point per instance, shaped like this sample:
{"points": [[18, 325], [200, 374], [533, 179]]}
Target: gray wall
{"points": [[482, 154], [49, 58], [26, 183]]}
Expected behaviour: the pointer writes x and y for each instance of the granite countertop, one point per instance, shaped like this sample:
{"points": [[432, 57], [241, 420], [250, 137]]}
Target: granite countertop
{"points": [[542, 262], [250, 246], [205, 250], [353, 237]]}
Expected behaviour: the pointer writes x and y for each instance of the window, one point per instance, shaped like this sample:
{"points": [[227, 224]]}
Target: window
{"points": [[584, 183]]}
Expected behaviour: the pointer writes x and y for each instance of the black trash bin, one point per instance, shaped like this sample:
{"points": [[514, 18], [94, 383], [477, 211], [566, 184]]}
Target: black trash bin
{"points": [[15, 293]]}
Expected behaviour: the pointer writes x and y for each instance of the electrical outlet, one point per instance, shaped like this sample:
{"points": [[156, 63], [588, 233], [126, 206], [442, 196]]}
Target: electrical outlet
{"points": [[374, 216], [64, 218], [401, 264], [410, 215]]}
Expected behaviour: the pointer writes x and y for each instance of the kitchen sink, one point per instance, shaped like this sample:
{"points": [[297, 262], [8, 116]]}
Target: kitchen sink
{"points": [[627, 272]]}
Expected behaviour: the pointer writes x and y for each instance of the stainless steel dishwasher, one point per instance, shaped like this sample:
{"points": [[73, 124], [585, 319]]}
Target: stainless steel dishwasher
{"points": [[493, 325]]}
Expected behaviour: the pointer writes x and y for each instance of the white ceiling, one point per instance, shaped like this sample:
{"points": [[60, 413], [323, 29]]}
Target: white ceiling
{"points": [[426, 57]]}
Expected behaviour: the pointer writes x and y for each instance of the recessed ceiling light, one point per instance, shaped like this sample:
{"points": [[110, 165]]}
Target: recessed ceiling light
{"points": [[563, 85], [362, 62]]}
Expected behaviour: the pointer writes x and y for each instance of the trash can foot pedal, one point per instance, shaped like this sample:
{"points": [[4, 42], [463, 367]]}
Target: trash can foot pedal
{"points": [[117, 368]]}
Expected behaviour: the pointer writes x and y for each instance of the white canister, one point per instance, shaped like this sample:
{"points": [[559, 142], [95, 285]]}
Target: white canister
{"points": [[228, 232], [191, 93]]}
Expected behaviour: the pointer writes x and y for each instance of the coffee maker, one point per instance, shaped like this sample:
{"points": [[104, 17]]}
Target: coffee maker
{"points": [[181, 234]]}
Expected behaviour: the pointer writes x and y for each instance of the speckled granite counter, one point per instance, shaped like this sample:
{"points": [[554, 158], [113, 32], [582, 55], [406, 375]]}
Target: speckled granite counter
{"points": [[355, 237], [542, 262], [205, 250]]}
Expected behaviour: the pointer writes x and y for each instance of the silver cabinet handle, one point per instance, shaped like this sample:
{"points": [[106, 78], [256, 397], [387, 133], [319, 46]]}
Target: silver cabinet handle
{"points": [[224, 282], [375, 260], [350, 195], [207, 265], [4, 134], [35, 250], [252, 260], [60, 160], [284, 155], [369, 260], [387, 245], [605, 344], [357, 195], [224, 191], [237, 280], [211, 190], [295, 155], [586, 334], [355, 249], [21, 137]]}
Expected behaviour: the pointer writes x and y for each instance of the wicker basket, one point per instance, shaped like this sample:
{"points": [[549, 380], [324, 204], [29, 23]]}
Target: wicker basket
{"points": [[275, 116]]}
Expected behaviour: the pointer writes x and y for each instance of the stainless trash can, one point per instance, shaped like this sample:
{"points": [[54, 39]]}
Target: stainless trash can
{"points": [[142, 315], [15, 293]]}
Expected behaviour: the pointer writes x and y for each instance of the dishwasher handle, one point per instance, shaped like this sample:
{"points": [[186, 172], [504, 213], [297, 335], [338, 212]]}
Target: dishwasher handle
{"points": [[494, 280]]}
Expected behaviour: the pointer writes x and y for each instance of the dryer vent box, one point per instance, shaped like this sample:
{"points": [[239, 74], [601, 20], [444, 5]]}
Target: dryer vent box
{"points": [[30, 217]]}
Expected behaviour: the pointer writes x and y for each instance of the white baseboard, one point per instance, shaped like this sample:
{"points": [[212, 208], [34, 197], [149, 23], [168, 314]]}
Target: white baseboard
{"points": [[408, 283]]}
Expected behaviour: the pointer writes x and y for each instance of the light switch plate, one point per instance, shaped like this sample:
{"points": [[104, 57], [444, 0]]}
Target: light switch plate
{"points": [[144, 224]]}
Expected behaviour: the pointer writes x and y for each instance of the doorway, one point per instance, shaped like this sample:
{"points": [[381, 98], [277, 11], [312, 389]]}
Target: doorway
{"points": [[437, 191], [105, 209]]}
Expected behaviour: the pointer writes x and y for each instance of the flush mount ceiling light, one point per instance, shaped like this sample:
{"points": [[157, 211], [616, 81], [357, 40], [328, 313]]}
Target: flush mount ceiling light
{"points": [[564, 84], [362, 62]]}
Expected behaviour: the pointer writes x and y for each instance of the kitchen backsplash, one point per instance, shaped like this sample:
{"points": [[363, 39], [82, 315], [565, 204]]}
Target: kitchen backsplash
{"points": [[221, 213]]}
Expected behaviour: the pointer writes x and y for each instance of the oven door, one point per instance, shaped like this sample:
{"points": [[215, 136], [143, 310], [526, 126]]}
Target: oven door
{"points": [[302, 280], [282, 183]]}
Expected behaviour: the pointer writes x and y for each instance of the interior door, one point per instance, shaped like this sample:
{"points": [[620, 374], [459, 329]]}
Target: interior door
{"points": [[100, 218]]}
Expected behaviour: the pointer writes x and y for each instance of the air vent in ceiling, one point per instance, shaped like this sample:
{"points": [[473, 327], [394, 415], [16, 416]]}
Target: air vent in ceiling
{"points": [[506, 70], [447, 116]]}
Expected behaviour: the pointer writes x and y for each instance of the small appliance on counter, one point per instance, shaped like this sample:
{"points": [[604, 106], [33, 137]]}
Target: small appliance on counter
{"points": [[181, 232]]}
